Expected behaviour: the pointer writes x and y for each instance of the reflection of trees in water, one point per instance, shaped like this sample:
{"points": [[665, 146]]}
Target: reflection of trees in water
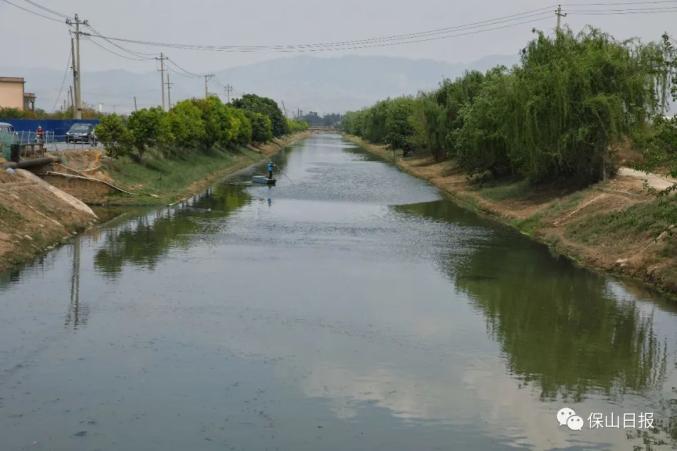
{"points": [[13, 275], [9, 277], [559, 326], [146, 240]]}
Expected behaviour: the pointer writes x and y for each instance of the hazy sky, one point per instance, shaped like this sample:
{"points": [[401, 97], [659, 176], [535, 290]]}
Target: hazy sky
{"points": [[30, 41]]}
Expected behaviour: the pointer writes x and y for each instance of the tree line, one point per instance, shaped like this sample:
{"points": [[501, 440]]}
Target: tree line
{"points": [[15, 113], [554, 115], [195, 125], [315, 120]]}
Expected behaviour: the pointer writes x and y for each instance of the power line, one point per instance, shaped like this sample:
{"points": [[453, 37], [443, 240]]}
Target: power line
{"points": [[186, 72], [594, 12], [424, 36], [44, 8], [124, 49], [63, 81], [325, 46], [404, 36], [113, 52], [35, 13], [380, 41], [342, 45], [658, 2]]}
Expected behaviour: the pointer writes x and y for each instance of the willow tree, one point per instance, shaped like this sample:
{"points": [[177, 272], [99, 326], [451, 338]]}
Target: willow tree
{"points": [[575, 95], [427, 121], [482, 143], [437, 116], [398, 128]]}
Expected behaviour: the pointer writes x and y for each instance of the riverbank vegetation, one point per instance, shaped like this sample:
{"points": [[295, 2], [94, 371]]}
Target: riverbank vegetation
{"points": [[535, 145], [556, 115], [15, 113], [158, 154], [195, 125]]}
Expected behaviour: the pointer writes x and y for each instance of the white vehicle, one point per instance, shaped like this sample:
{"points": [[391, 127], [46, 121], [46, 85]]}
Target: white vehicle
{"points": [[7, 138], [6, 128]]}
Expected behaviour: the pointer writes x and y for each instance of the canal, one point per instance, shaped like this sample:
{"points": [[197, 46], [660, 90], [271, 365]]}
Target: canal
{"points": [[351, 307]]}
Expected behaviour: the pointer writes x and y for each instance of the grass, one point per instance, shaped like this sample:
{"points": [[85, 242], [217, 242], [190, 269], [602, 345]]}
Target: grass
{"points": [[9, 218], [529, 225], [646, 219], [159, 180], [504, 191]]}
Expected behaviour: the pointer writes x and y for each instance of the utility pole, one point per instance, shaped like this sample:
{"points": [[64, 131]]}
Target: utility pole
{"points": [[559, 14], [207, 78], [135, 106], [169, 92], [162, 60], [75, 49], [229, 89], [72, 100]]}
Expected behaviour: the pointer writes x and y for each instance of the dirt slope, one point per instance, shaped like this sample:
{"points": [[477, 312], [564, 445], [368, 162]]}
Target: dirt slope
{"points": [[34, 216]]}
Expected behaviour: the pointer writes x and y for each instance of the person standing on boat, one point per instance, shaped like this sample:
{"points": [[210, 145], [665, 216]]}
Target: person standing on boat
{"points": [[271, 166]]}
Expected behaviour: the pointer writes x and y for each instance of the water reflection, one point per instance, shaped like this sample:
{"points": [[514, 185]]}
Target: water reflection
{"points": [[77, 312], [147, 239], [348, 307], [559, 326]]}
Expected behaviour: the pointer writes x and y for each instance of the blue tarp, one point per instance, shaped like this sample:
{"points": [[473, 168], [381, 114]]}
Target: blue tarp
{"points": [[58, 126]]}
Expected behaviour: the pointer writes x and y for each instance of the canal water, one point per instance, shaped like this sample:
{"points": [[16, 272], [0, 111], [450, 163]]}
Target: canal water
{"points": [[351, 307]]}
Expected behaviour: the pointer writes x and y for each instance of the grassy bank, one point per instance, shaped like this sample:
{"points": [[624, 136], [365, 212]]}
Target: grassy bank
{"points": [[617, 226], [158, 180]]}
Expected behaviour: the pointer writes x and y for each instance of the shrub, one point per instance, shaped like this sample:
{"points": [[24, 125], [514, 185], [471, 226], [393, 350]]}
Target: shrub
{"points": [[295, 125], [113, 133]]}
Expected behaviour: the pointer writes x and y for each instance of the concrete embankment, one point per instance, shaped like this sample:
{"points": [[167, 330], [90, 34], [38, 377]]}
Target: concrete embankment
{"points": [[617, 226], [37, 213]]}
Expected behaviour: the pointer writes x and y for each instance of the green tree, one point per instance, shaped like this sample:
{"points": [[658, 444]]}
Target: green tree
{"points": [[481, 142], [187, 126], [262, 127], [243, 126], [219, 127], [11, 113], [149, 128], [573, 97], [113, 133], [398, 127], [265, 106], [296, 125]]}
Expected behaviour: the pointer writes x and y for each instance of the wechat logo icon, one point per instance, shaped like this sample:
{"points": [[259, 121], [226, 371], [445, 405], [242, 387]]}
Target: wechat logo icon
{"points": [[568, 417]]}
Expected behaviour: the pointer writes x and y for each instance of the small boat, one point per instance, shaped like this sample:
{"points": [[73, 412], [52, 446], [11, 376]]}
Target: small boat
{"points": [[263, 180]]}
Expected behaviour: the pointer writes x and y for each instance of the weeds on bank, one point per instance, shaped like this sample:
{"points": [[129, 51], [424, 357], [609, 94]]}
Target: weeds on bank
{"points": [[649, 219]]}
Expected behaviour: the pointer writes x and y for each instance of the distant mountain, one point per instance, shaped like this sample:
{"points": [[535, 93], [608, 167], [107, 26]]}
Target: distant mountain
{"points": [[309, 83]]}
